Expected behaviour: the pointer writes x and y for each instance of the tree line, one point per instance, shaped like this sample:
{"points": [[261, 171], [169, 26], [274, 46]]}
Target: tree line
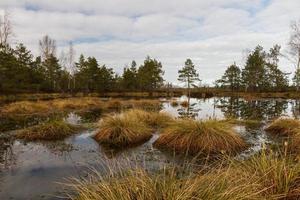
{"points": [[21, 71]]}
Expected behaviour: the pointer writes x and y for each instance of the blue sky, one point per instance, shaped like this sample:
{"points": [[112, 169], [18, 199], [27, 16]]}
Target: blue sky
{"points": [[212, 33]]}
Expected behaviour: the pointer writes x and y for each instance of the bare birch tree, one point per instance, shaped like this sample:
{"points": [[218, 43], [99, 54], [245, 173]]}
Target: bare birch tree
{"points": [[71, 64], [47, 47], [294, 50], [6, 31]]}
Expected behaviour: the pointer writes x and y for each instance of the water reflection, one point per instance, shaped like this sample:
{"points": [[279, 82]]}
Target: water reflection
{"points": [[260, 109], [6, 151]]}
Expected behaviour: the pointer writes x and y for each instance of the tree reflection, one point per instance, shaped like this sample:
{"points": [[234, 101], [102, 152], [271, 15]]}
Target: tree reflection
{"points": [[6, 151], [190, 111], [258, 109]]}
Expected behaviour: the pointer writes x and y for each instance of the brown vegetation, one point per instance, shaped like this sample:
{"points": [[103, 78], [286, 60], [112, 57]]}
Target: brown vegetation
{"points": [[200, 137], [54, 130], [283, 127]]}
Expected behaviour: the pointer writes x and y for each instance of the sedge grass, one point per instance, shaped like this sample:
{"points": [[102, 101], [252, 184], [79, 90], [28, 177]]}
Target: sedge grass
{"points": [[151, 118], [200, 137], [277, 173], [174, 103], [184, 104], [264, 176], [283, 127], [53, 130], [119, 130]]}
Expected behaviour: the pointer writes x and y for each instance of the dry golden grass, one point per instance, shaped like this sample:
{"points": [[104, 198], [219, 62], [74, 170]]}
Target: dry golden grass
{"points": [[263, 176], [54, 130], [283, 127], [200, 137], [145, 104], [152, 119], [169, 184], [114, 104], [25, 107], [184, 104], [174, 103], [77, 103], [277, 174], [120, 130]]}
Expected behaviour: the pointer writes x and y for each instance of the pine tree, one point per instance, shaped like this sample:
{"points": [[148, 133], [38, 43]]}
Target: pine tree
{"points": [[188, 74]]}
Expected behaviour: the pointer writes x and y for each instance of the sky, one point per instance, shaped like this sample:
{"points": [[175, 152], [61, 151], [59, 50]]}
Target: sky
{"points": [[213, 33]]}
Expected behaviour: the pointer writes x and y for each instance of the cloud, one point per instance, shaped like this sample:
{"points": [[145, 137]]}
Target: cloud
{"points": [[213, 33]]}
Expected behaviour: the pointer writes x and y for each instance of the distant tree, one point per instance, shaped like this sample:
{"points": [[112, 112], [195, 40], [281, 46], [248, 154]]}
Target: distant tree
{"points": [[188, 74], [47, 47], [150, 74], [71, 66], [6, 31], [278, 80], [52, 71], [253, 75], [294, 45], [231, 78], [129, 77]]}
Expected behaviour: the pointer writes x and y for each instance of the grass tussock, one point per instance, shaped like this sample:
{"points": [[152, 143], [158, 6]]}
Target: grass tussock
{"points": [[120, 130], [169, 184], [263, 176], [174, 103], [151, 118], [278, 175], [283, 127], [184, 104], [54, 130], [200, 137]]}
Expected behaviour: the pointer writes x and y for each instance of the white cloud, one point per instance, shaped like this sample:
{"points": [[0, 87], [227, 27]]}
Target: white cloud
{"points": [[212, 33]]}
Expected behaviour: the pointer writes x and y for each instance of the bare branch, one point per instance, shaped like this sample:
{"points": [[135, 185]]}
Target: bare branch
{"points": [[5, 28], [47, 47]]}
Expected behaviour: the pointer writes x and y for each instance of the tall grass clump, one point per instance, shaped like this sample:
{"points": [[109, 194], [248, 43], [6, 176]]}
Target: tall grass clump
{"points": [[174, 103], [53, 130], [200, 137], [167, 184], [151, 118], [283, 127], [120, 130], [184, 104], [278, 174]]}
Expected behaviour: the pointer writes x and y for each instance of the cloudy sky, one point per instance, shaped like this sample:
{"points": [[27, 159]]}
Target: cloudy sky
{"points": [[213, 33]]}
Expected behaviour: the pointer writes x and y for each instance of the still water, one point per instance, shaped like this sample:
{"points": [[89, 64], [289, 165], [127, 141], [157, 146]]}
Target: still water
{"points": [[34, 170]]}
